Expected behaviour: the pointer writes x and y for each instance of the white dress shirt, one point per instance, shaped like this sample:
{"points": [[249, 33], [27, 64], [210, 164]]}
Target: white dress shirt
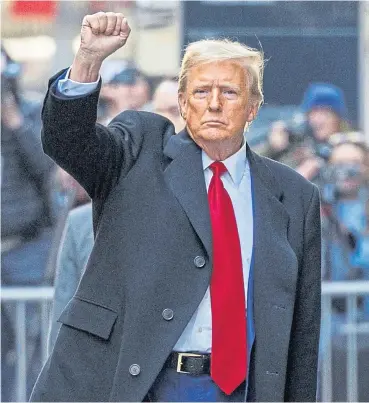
{"points": [[237, 181]]}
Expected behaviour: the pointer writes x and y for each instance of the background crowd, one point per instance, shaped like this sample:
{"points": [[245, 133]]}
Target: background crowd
{"points": [[46, 216]]}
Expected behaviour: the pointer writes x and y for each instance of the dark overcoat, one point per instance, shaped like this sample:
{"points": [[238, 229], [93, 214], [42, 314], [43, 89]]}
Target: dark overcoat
{"points": [[151, 221]]}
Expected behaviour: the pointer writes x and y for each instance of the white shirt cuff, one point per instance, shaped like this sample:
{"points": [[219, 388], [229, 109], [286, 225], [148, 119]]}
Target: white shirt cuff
{"points": [[72, 88]]}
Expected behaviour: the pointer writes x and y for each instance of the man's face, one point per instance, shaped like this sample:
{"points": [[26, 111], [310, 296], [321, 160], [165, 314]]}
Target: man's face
{"points": [[216, 103], [324, 123], [166, 103], [114, 92], [140, 93], [350, 160]]}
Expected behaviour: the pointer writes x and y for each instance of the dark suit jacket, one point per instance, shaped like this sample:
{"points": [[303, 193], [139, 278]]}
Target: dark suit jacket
{"points": [[151, 221]]}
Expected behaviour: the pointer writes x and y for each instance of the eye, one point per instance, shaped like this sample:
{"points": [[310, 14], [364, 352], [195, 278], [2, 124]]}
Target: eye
{"points": [[201, 93], [230, 93]]}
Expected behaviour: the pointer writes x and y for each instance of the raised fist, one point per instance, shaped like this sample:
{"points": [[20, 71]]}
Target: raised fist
{"points": [[102, 34]]}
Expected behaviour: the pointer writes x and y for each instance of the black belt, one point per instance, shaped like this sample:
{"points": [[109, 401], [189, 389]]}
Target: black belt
{"points": [[189, 363]]}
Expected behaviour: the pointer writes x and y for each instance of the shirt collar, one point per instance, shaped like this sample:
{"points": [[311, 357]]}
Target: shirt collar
{"points": [[236, 164]]}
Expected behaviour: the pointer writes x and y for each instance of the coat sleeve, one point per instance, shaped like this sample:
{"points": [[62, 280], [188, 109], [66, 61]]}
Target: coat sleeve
{"points": [[95, 155], [301, 380], [67, 276]]}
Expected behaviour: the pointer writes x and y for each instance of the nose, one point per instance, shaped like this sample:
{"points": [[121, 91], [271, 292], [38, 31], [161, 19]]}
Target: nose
{"points": [[215, 104]]}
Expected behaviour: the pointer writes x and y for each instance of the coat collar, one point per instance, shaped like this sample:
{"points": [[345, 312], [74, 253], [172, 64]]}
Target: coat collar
{"points": [[184, 175], [182, 142]]}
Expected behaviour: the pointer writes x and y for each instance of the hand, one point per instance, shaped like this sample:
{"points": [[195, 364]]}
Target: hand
{"points": [[67, 184], [278, 137], [11, 116], [101, 35], [309, 168]]}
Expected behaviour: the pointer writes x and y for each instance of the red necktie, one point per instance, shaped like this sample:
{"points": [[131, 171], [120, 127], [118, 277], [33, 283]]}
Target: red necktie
{"points": [[229, 342]]}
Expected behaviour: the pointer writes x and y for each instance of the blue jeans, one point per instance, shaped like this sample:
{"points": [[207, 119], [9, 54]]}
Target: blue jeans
{"points": [[171, 386]]}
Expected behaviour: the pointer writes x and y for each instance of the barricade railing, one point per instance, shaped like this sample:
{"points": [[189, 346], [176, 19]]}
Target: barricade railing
{"points": [[20, 296], [351, 291]]}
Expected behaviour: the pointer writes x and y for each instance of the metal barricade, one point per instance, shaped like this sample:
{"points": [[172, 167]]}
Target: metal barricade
{"points": [[20, 296], [350, 291]]}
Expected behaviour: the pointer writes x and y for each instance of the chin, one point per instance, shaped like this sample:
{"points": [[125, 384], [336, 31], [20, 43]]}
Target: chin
{"points": [[214, 134]]}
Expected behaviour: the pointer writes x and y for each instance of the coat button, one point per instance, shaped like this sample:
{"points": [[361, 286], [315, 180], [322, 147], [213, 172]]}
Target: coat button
{"points": [[199, 261], [167, 314], [134, 369]]}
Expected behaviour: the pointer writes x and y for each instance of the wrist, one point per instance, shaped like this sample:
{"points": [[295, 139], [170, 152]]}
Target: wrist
{"points": [[85, 68]]}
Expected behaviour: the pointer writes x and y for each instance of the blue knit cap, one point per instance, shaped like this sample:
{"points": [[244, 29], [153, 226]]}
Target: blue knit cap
{"points": [[324, 95]]}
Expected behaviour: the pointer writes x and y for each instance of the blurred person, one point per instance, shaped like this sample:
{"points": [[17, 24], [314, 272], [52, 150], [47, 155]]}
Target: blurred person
{"points": [[68, 190], [140, 93], [165, 103], [345, 198], [26, 215], [67, 194], [345, 236], [304, 143], [124, 87], [170, 213], [74, 251]]}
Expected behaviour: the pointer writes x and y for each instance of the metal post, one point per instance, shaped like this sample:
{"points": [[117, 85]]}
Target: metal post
{"points": [[20, 339], [327, 357], [363, 52], [352, 356], [44, 329]]}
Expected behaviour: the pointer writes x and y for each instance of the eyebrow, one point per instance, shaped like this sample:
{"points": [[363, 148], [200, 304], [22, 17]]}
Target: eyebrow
{"points": [[210, 84]]}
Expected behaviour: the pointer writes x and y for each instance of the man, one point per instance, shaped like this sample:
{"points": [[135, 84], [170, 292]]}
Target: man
{"points": [[345, 196], [26, 217], [307, 148], [165, 102], [169, 216]]}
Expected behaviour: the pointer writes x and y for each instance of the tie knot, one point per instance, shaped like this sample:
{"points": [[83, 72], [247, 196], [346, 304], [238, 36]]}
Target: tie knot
{"points": [[218, 168]]}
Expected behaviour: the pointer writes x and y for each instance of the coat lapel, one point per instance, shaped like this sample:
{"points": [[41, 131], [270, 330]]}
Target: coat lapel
{"points": [[274, 275], [184, 176]]}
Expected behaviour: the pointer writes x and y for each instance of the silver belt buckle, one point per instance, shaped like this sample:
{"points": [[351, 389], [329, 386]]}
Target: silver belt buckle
{"points": [[179, 362]]}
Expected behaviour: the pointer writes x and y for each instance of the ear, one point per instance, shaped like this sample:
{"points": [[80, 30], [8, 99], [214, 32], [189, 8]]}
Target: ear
{"points": [[253, 111], [182, 103]]}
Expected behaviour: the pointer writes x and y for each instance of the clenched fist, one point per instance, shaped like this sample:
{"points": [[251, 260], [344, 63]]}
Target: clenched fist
{"points": [[101, 35]]}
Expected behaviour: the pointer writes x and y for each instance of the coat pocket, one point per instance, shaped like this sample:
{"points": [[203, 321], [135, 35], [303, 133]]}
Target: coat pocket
{"points": [[89, 317]]}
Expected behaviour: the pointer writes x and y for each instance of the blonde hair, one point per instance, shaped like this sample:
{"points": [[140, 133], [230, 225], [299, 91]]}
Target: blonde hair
{"points": [[217, 50]]}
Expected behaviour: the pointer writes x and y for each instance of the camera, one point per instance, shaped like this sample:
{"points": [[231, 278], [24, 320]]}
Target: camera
{"points": [[334, 178], [300, 132], [10, 72]]}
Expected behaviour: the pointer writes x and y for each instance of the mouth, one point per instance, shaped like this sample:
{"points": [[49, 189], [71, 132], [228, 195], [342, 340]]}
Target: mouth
{"points": [[214, 123]]}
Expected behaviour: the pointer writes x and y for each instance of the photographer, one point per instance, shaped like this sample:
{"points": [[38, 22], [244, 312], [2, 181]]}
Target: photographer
{"points": [[303, 143], [26, 214], [345, 201]]}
